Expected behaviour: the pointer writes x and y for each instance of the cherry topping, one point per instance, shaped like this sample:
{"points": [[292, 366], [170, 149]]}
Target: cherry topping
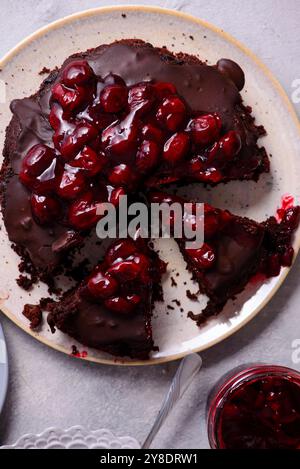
{"points": [[176, 148], [204, 256], [116, 195], [72, 183], [45, 209], [292, 217], [120, 250], [83, 133], [147, 156], [90, 161], [36, 161], [164, 89], [171, 113], [150, 132], [141, 97], [122, 305], [230, 144], [83, 212], [77, 73], [69, 99], [101, 285], [121, 175], [126, 270], [205, 129], [113, 98], [121, 138], [56, 116]]}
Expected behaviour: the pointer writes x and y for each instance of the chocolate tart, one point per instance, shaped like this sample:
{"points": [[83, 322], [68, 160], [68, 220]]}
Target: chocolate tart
{"points": [[142, 116]]}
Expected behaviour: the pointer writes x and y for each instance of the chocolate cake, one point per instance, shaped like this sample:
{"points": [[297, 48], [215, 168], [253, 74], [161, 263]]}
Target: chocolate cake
{"points": [[127, 115], [234, 250], [123, 119], [111, 309]]}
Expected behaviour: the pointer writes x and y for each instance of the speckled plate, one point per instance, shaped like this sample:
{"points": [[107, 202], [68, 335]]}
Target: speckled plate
{"points": [[3, 369], [175, 334]]}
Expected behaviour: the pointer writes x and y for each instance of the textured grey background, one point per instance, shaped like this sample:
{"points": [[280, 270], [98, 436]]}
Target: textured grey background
{"points": [[49, 389]]}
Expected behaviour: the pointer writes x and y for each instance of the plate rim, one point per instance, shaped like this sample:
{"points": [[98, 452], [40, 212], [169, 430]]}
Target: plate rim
{"points": [[3, 393], [278, 87]]}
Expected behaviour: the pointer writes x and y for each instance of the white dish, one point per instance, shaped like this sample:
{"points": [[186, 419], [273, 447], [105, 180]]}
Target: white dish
{"points": [[3, 369], [74, 438], [175, 334]]}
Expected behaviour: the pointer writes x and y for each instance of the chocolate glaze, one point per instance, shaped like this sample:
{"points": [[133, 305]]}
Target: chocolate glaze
{"points": [[95, 326], [232, 71]]}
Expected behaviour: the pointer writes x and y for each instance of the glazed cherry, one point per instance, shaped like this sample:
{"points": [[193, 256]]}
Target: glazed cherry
{"points": [[102, 285], [141, 98], [69, 99], [204, 256], [122, 305], [56, 116], [176, 148], [83, 212], [230, 144], [196, 165], [212, 175], [83, 134], [116, 195], [125, 270], [151, 132], [121, 175], [45, 209], [37, 160], [171, 113], [205, 129], [120, 250], [77, 73], [164, 89], [147, 156], [292, 217], [113, 98], [120, 138], [72, 183], [89, 161]]}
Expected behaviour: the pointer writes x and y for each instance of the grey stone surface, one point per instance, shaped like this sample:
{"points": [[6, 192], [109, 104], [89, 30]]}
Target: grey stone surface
{"points": [[47, 388]]}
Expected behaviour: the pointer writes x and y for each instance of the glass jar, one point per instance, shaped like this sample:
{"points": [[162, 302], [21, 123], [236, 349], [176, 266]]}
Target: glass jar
{"points": [[255, 407]]}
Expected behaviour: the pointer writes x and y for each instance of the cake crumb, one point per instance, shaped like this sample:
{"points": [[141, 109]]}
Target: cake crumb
{"points": [[34, 314], [191, 296]]}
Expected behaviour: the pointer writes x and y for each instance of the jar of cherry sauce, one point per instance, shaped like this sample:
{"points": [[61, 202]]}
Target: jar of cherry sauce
{"points": [[257, 407]]}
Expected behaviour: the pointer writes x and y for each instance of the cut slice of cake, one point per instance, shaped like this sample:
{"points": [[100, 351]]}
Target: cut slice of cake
{"points": [[234, 250], [111, 309]]}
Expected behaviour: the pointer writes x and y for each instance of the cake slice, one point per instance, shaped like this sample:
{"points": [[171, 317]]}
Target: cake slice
{"points": [[111, 121], [111, 309], [234, 250]]}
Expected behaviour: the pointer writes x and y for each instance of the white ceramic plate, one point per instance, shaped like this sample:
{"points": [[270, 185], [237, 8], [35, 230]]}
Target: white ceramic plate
{"points": [[175, 334], [3, 369]]}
